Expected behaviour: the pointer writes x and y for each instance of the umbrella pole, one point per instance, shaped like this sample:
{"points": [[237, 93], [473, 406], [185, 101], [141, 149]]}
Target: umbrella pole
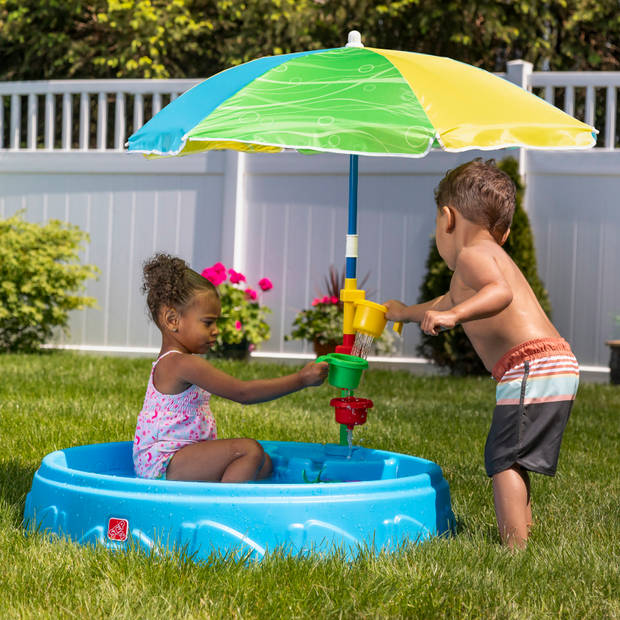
{"points": [[351, 258], [350, 294]]}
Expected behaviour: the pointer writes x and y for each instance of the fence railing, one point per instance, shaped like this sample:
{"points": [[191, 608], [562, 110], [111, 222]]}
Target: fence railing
{"points": [[99, 115], [83, 115], [591, 96]]}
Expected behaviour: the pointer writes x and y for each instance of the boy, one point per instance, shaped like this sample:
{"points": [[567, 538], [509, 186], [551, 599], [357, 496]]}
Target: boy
{"points": [[537, 373]]}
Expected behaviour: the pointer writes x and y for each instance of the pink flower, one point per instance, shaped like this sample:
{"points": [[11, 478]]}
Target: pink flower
{"points": [[250, 294], [325, 299], [334, 299], [220, 269], [238, 325], [265, 284], [316, 301], [236, 276], [210, 275], [216, 274]]}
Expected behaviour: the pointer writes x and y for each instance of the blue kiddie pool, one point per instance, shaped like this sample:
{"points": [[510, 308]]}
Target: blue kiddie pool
{"points": [[320, 498]]}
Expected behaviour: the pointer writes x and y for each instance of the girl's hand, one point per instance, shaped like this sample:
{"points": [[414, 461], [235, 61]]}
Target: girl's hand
{"points": [[434, 322], [313, 374], [395, 310]]}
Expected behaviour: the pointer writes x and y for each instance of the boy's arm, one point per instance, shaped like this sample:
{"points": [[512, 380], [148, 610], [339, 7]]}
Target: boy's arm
{"points": [[398, 311], [198, 371], [480, 272]]}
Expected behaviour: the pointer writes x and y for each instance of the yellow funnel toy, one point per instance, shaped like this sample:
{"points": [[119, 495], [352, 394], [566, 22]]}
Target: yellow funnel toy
{"points": [[370, 318]]}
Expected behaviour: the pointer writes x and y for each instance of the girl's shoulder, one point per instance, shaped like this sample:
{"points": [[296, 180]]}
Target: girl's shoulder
{"points": [[175, 373], [169, 374]]}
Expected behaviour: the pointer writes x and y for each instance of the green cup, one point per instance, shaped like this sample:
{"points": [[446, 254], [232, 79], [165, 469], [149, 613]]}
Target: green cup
{"points": [[345, 371]]}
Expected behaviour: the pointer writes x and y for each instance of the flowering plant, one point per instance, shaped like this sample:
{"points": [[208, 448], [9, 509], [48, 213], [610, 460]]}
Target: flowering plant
{"points": [[320, 323], [243, 318]]}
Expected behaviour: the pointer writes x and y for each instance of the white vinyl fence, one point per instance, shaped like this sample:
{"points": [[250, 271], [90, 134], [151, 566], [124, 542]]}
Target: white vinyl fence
{"points": [[284, 216]]}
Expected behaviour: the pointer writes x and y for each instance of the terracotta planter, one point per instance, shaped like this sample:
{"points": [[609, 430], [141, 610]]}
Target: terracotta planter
{"points": [[324, 349], [614, 361]]}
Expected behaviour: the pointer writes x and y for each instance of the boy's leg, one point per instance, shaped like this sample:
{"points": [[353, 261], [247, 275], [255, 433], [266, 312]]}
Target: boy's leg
{"points": [[528, 511], [511, 490], [220, 460]]}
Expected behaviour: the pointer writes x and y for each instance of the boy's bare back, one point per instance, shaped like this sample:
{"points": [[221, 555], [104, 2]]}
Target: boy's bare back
{"points": [[488, 295], [522, 320]]}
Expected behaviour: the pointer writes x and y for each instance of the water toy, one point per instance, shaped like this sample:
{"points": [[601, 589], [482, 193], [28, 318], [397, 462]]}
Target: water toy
{"points": [[360, 499], [351, 411], [345, 371], [368, 323], [369, 318]]}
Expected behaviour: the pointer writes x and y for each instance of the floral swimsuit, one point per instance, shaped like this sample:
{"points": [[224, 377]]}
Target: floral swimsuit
{"points": [[167, 423]]}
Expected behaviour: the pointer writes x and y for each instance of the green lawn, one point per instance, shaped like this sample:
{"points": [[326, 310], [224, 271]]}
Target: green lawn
{"points": [[570, 569]]}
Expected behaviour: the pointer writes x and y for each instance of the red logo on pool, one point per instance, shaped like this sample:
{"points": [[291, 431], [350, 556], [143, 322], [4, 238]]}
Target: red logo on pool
{"points": [[117, 529]]}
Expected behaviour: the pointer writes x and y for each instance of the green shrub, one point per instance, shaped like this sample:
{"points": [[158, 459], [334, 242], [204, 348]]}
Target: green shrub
{"points": [[452, 349], [40, 278]]}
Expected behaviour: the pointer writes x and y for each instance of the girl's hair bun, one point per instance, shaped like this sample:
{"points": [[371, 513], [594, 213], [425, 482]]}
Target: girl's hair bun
{"points": [[169, 281]]}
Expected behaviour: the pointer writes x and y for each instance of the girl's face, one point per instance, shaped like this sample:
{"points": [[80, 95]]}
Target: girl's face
{"points": [[197, 328]]}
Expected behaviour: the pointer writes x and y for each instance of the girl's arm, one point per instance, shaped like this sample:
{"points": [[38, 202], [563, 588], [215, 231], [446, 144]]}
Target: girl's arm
{"points": [[197, 371]]}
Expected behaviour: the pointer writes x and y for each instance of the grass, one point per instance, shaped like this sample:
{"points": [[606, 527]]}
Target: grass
{"points": [[569, 570]]}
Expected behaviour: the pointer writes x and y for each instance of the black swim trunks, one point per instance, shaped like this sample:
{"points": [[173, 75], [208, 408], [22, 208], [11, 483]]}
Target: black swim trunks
{"points": [[537, 383]]}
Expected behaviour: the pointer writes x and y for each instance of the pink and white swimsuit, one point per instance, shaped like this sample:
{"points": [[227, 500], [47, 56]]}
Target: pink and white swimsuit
{"points": [[167, 423]]}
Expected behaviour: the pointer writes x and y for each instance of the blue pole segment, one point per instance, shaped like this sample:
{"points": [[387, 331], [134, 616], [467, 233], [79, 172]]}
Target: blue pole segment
{"points": [[351, 263]]}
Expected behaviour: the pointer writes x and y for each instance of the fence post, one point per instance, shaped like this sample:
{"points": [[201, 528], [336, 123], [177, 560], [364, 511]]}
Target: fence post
{"points": [[519, 72], [234, 213]]}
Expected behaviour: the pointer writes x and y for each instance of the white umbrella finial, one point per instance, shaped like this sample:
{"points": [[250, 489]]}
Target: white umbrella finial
{"points": [[355, 39]]}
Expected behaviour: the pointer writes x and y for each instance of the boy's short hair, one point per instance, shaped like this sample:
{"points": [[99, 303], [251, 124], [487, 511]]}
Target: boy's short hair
{"points": [[481, 193]]}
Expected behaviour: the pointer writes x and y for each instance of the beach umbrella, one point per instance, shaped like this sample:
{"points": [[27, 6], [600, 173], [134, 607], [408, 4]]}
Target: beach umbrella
{"points": [[359, 101]]}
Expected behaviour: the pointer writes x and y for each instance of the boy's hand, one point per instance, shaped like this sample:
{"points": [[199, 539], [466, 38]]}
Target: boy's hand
{"points": [[313, 374], [434, 322], [395, 311]]}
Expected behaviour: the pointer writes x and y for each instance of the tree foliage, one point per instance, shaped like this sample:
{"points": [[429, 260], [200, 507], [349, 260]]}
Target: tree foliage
{"points": [[196, 38], [554, 34], [452, 349], [98, 39]]}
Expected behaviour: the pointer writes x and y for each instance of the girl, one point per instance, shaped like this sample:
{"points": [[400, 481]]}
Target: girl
{"points": [[176, 434]]}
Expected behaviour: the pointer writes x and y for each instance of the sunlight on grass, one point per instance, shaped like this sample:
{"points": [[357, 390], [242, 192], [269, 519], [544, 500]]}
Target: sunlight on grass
{"points": [[570, 569]]}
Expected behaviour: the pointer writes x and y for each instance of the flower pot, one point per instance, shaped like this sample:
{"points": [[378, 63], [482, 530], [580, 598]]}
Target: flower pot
{"points": [[614, 361], [324, 349]]}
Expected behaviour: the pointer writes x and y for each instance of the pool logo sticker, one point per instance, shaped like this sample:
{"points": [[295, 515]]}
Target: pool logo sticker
{"points": [[118, 529]]}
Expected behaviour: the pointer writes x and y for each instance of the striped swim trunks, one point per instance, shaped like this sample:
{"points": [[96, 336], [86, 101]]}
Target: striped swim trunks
{"points": [[537, 383]]}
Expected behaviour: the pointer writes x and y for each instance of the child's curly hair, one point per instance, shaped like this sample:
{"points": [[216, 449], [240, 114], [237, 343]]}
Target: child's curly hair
{"points": [[169, 281], [481, 193]]}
